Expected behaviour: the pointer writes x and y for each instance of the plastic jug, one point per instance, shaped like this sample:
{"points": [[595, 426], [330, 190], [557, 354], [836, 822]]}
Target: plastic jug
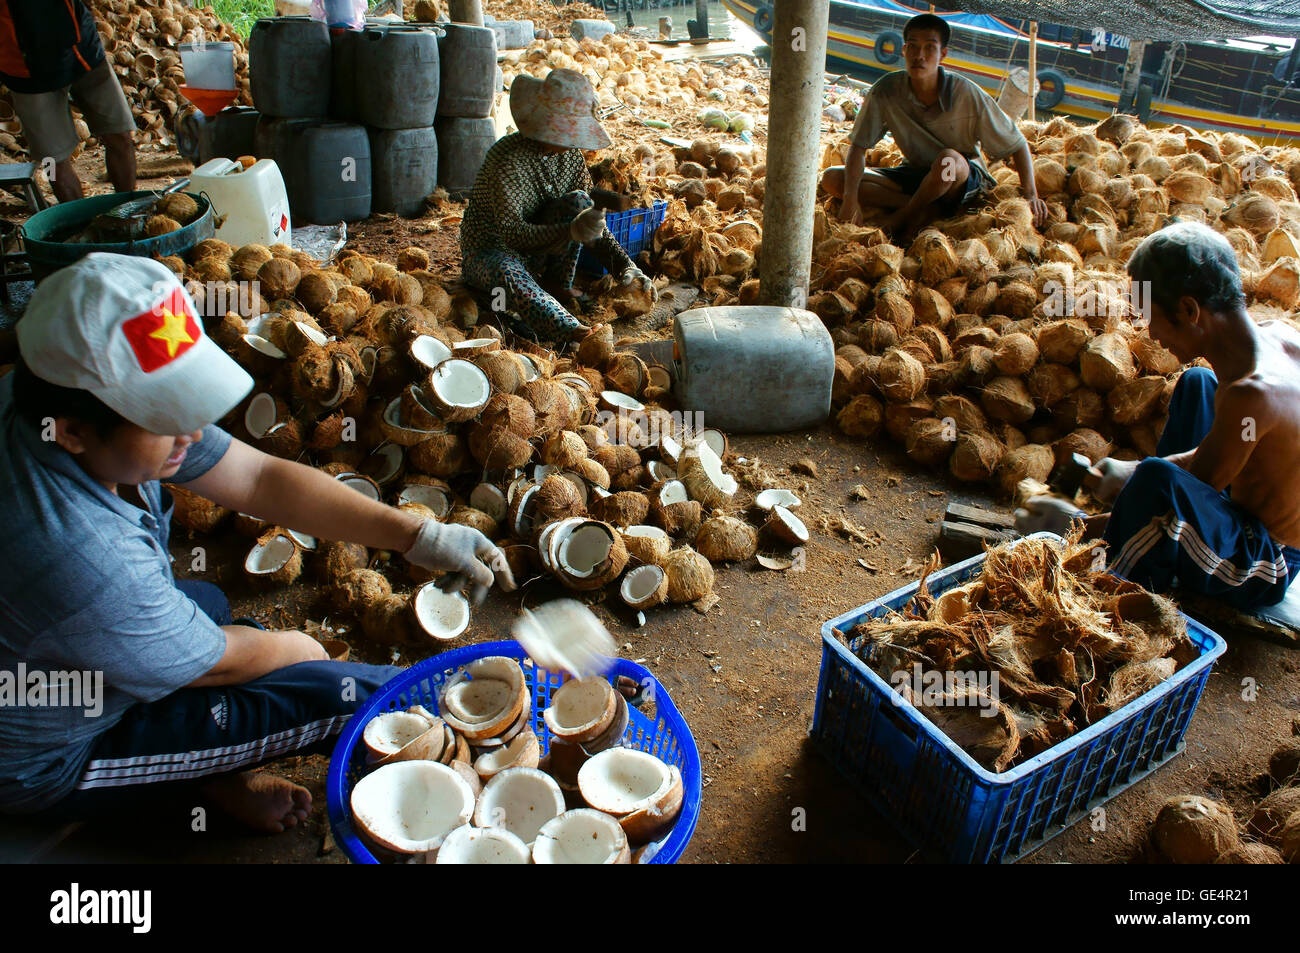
{"points": [[253, 200], [209, 65], [754, 369]]}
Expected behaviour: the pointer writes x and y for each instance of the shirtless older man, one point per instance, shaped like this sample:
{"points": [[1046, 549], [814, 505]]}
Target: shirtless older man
{"points": [[1217, 511]]}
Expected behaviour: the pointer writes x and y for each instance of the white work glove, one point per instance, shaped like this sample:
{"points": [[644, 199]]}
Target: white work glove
{"points": [[634, 274], [465, 554], [1115, 475], [1047, 514], [588, 226]]}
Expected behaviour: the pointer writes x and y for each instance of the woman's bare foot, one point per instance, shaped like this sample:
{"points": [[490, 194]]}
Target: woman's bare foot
{"points": [[265, 802]]}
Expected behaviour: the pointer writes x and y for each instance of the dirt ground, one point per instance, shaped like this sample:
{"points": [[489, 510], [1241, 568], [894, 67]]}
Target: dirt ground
{"points": [[744, 674]]}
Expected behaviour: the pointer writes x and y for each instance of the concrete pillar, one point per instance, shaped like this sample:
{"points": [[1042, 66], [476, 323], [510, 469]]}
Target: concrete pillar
{"points": [[793, 151], [465, 11]]}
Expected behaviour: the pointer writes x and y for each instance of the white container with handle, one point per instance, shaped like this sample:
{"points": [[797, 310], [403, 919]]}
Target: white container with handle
{"points": [[252, 201]]}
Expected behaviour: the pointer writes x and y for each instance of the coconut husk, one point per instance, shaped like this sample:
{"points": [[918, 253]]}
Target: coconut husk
{"points": [[335, 560], [1256, 213], [931, 307], [1015, 354], [1271, 814], [195, 513], [1106, 361], [1280, 283], [964, 414], [690, 576], [1050, 176], [900, 376], [1087, 442], [726, 539], [1250, 853], [1033, 461], [625, 508], [1060, 342], [1082, 408], [930, 441], [1007, 399], [442, 455], [1134, 401], [900, 417], [975, 367], [975, 457], [861, 417], [1194, 830], [557, 498], [895, 309], [979, 299]]}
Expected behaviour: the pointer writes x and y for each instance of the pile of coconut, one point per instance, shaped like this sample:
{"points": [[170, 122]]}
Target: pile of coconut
{"points": [[474, 786], [1067, 645], [385, 380], [1190, 829], [994, 349]]}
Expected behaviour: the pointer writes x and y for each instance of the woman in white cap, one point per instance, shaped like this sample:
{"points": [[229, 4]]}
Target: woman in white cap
{"points": [[529, 214], [115, 390]]}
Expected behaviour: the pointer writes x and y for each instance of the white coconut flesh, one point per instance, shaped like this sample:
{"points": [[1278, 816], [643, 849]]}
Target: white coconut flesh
{"points": [[551, 538], [410, 806], [640, 585], [477, 845], [480, 702], [581, 708], [517, 486], [386, 463], [521, 751], [541, 471], [531, 371], [429, 351], [621, 780], [789, 525], [580, 836], [716, 440], [259, 418], [674, 491], [490, 500], [393, 417], [434, 497], [474, 345], [660, 471], [271, 555], [520, 800], [711, 464], [613, 400], [671, 448], [392, 731], [316, 337], [564, 635], [585, 549], [649, 532], [770, 498], [369, 358], [302, 539], [444, 615], [362, 484], [459, 383], [263, 346]]}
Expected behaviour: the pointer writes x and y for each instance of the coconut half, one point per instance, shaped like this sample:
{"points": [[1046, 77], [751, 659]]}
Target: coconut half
{"points": [[590, 555], [647, 544], [520, 800], [411, 806], [440, 615], [613, 400], [262, 416], [436, 498], [403, 736], [476, 845], [786, 527], [481, 708], [581, 709], [361, 483], [428, 351], [656, 817], [385, 464], [490, 499], [774, 497], [702, 473], [565, 636], [623, 780], [522, 751], [581, 836], [660, 471], [458, 390], [275, 558], [644, 587]]}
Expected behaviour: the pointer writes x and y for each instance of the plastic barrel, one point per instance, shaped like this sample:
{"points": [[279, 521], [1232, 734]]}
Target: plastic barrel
{"points": [[397, 78], [468, 55], [462, 146], [44, 232], [289, 66], [327, 166], [404, 169], [343, 74]]}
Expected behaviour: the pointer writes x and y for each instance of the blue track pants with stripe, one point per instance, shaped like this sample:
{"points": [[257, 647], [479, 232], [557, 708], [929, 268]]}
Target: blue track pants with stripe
{"points": [[1168, 529]]}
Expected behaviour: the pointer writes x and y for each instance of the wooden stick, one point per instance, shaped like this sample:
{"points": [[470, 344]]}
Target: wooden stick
{"points": [[1033, 65]]}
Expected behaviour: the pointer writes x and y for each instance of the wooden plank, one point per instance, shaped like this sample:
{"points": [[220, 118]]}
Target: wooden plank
{"points": [[1231, 624], [962, 540], [995, 519]]}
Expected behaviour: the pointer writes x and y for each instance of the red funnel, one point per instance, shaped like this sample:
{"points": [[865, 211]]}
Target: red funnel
{"points": [[209, 101]]}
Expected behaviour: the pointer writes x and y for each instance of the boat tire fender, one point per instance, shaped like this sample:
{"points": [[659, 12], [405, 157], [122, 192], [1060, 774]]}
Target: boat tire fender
{"points": [[763, 18], [889, 47], [1049, 98]]}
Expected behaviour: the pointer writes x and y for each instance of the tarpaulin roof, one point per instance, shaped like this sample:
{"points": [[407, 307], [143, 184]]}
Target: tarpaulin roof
{"points": [[1153, 19]]}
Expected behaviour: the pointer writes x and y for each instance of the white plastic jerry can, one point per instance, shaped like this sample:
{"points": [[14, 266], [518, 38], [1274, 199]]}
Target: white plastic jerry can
{"points": [[758, 369], [253, 201]]}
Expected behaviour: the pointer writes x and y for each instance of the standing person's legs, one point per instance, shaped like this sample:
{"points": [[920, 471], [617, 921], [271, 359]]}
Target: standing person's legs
{"points": [[51, 139], [1191, 412], [99, 96]]}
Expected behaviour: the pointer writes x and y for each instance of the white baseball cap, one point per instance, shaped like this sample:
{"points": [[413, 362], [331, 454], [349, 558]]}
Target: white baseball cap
{"points": [[124, 328]]}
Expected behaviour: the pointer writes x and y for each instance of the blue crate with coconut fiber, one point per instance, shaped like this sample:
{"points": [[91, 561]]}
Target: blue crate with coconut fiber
{"points": [[944, 801], [666, 736], [634, 229]]}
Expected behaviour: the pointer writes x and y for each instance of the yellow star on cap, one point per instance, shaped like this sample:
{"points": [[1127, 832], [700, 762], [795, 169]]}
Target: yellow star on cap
{"points": [[172, 330]]}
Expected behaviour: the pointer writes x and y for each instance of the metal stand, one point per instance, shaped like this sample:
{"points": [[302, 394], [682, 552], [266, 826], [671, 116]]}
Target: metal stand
{"points": [[22, 175]]}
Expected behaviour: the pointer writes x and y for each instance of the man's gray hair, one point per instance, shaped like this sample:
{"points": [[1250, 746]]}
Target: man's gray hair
{"points": [[1188, 258]]}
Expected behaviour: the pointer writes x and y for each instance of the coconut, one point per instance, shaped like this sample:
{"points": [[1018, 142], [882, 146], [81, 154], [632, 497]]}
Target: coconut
{"points": [[1087, 442], [701, 472], [593, 473], [1015, 354], [590, 556], [626, 508], [403, 736], [963, 413], [862, 416], [457, 390], [1031, 461], [786, 527], [278, 278], [1106, 361], [1134, 401], [483, 707], [930, 441], [358, 589], [672, 509], [644, 587], [1256, 213], [975, 457], [1049, 384], [648, 545], [690, 575], [1284, 764], [473, 845], [503, 370], [1250, 853], [726, 539], [195, 513], [337, 559], [1061, 341], [931, 307], [248, 261], [520, 800], [1271, 814], [1281, 284], [895, 309], [1194, 830], [410, 806], [439, 615], [388, 621], [616, 458], [656, 817], [557, 498], [621, 781], [1007, 399], [582, 709], [521, 751], [473, 518], [581, 836], [900, 376], [441, 455], [275, 559]]}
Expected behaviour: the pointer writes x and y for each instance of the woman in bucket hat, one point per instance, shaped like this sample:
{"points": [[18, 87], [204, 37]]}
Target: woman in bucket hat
{"points": [[529, 214], [163, 698]]}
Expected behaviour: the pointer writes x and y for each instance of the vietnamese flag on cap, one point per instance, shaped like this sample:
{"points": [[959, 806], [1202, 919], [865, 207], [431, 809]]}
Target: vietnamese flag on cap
{"points": [[164, 332]]}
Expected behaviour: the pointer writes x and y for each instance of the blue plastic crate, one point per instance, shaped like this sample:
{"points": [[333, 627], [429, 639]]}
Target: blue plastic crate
{"points": [[634, 229], [944, 801], [668, 737]]}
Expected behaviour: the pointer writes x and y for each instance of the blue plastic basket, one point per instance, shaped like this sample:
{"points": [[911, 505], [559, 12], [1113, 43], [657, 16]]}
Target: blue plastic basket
{"points": [[634, 229], [668, 738], [946, 803]]}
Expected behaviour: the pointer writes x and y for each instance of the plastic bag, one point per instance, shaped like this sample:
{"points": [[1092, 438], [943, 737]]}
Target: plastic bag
{"points": [[346, 14]]}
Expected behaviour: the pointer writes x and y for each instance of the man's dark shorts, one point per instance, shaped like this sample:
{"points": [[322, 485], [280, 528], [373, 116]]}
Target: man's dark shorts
{"points": [[909, 178]]}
